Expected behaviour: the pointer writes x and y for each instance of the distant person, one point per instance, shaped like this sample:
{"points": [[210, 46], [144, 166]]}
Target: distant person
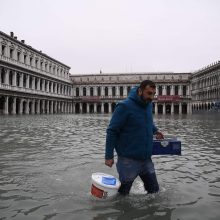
{"points": [[130, 133]]}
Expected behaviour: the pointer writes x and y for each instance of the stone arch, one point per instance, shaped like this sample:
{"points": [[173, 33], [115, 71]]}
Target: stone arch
{"points": [[113, 105], [2, 104], [99, 108], [106, 110], [84, 108], [184, 108], [3, 75], [168, 108], [77, 108], [10, 104], [160, 109], [91, 108]]}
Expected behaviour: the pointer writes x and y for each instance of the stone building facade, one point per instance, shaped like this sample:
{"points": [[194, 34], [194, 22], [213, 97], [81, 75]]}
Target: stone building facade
{"points": [[32, 82], [205, 88], [99, 93]]}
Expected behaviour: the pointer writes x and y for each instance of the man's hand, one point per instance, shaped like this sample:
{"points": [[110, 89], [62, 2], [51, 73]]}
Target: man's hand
{"points": [[109, 163], [159, 135]]}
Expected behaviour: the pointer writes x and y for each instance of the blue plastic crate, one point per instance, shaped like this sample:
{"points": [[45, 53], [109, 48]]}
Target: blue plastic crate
{"points": [[166, 146]]}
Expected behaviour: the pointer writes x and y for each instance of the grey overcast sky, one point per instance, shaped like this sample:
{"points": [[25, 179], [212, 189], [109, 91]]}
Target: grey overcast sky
{"points": [[119, 35]]}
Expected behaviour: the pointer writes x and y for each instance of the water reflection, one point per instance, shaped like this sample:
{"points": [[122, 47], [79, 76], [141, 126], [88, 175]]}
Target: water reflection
{"points": [[46, 164]]}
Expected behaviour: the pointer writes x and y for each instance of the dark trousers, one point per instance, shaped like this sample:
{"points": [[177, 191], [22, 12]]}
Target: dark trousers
{"points": [[128, 170]]}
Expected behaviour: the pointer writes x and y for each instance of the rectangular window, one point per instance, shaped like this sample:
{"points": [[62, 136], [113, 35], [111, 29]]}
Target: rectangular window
{"points": [[176, 90], [184, 90], [31, 59], [25, 58], [36, 63], [18, 56], [3, 50], [11, 53]]}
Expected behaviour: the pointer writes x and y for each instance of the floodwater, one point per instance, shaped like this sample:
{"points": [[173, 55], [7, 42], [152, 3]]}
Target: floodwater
{"points": [[46, 162]]}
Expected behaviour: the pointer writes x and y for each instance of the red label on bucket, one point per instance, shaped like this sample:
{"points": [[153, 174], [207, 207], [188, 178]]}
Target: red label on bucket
{"points": [[97, 192]]}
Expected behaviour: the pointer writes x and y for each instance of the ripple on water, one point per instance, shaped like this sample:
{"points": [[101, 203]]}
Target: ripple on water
{"points": [[46, 164]]}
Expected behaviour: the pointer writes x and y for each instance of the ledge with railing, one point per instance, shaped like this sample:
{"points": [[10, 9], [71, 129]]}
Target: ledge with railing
{"points": [[32, 91], [31, 68]]}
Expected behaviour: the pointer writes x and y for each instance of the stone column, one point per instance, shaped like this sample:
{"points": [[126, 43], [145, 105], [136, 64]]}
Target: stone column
{"points": [[156, 108], [172, 90], [73, 110], [157, 91], [33, 83], [95, 107], [95, 90], [27, 107], [110, 91], [43, 85], [38, 107], [180, 108], [52, 88], [164, 109], [38, 84], [172, 108], [7, 77], [163, 90], [14, 106], [48, 107], [51, 107], [117, 90], [14, 78], [102, 107], [109, 108], [188, 90], [6, 106], [102, 91], [47, 90], [124, 91], [189, 108], [33, 107], [43, 106], [20, 111], [180, 90], [21, 80], [27, 81], [87, 108], [80, 108]]}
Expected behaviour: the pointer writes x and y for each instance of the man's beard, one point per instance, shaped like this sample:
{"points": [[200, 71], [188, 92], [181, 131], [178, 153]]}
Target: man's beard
{"points": [[145, 100]]}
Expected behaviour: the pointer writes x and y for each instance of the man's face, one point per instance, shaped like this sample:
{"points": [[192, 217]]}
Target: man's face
{"points": [[147, 95]]}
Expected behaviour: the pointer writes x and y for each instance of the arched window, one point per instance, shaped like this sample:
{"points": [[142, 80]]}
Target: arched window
{"points": [[106, 91], [113, 91], [99, 91], [91, 91], [77, 91], [84, 91]]}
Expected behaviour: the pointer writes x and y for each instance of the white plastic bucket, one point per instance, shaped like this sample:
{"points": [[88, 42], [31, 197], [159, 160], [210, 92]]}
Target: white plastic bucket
{"points": [[104, 185]]}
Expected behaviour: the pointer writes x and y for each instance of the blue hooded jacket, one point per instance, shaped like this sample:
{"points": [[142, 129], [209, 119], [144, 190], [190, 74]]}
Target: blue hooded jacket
{"points": [[131, 129]]}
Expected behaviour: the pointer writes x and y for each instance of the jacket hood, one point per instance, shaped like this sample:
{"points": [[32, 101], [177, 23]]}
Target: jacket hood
{"points": [[133, 95]]}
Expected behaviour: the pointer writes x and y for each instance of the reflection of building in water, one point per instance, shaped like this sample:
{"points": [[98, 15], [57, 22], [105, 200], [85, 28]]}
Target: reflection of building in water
{"points": [[31, 82]]}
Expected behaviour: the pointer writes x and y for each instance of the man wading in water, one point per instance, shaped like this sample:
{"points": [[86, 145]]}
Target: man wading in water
{"points": [[130, 133]]}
